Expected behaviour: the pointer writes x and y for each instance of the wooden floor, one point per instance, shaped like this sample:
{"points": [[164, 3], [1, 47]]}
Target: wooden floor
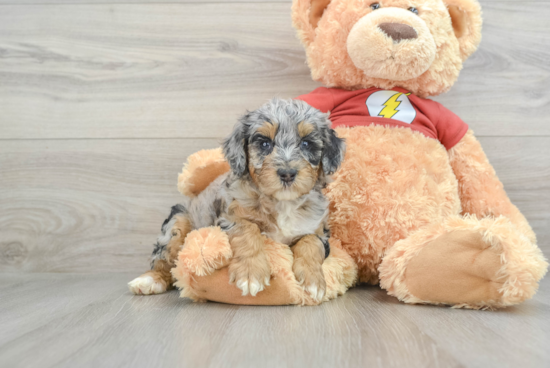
{"points": [[101, 101], [75, 320]]}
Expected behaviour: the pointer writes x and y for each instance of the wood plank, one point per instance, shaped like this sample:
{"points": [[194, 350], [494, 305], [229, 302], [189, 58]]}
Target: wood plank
{"points": [[32, 293], [58, 2], [86, 205], [79, 320], [503, 88], [97, 205], [524, 324], [142, 70], [98, 2], [188, 70], [523, 165]]}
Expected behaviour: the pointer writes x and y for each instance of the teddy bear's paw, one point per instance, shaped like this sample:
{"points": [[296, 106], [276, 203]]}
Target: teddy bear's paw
{"points": [[146, 285], [457, 268], [251, 275], [465, 262], [310, 277]]}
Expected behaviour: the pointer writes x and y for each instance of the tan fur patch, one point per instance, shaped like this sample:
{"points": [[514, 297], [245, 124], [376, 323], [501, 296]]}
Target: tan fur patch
{"points": [[309, 255], [460, 20], [267, 178], [189, 180], [305, 128], [214, 287], [306, 179], [161, 274], [268, 130], [480, 189], [161, 268], [179, 231], [264, 220], [249, 264], [252, 171], [466, 271], [204, 176], [316, 11], [330, 61], [269, 182]]}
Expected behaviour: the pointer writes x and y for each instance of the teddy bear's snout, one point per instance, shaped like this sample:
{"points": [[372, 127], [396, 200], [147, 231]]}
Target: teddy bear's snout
{"points": [[391, 43], [398, 31]]}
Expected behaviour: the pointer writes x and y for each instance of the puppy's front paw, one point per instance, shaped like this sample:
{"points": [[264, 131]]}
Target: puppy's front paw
{"points": [[146, 285], [251, 275], [310, 276]]}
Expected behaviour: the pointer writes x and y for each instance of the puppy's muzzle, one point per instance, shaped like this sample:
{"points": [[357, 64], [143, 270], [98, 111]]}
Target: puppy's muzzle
{"points": [[287, 175]]}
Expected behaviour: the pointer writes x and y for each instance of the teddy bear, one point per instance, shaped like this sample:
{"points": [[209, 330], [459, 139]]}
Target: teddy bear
{"points": [[416, 207]]}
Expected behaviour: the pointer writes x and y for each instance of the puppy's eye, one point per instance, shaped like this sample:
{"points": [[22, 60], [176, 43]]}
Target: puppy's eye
{"points": [[414, 10], [265, 145], [305, 144], [375, 6]]}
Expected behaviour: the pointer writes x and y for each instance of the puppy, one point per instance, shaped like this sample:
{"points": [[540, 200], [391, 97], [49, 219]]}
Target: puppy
{"points": [[280, 156]]}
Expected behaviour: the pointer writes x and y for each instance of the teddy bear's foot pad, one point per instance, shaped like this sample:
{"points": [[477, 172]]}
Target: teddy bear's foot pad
{"points": [[458, 267]]}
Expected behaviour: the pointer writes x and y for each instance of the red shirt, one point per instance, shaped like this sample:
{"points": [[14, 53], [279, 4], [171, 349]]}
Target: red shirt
{"points": [[395, 107]]}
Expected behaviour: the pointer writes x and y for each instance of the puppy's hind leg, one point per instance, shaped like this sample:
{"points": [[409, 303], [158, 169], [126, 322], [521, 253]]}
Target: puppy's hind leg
{"points": [[174, 230], [156, 281]]}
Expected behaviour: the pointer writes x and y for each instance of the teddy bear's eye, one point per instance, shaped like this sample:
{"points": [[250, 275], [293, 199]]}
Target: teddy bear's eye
{"points": [[414, 10], [375, 6]]}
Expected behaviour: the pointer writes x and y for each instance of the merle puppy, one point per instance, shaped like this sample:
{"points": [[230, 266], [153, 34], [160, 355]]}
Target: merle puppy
{"points": [[280, 156]]}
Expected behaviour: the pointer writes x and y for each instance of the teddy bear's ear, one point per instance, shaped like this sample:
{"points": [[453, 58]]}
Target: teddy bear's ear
{"points": [[306, 14], [466, 19]]}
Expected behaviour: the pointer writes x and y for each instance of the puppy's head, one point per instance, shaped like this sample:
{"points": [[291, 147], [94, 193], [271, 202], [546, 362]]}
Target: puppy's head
{"points": [[285, 147]]}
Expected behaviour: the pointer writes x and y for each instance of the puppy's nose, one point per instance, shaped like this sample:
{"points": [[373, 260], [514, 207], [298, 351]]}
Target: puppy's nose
{"points": [[398, 31], [287, 175]]}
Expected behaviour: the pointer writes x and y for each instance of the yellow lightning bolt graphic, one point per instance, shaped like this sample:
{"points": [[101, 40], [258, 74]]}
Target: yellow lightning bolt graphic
{"points": [[391, 106]]}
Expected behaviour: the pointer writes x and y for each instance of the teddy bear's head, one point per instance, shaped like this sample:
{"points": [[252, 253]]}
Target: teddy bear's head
{"points": [[419, 45]]}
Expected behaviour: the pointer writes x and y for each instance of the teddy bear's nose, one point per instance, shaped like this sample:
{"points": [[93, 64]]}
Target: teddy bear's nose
{"points": [[398, 31]]}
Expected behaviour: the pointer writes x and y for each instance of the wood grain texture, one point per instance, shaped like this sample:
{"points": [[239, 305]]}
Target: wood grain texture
{"points": [[95, 2], [97, 205], [86, 205], [100, 103], [69, 320], [142, 70], [186, 70], [101, 2]]}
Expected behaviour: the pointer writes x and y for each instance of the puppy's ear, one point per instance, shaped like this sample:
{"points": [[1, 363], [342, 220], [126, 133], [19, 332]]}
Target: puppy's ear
{"points": [[333, 152], [236, 145]]}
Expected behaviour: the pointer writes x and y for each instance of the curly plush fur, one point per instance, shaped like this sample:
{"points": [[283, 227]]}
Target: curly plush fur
{"points": [[327, 43], [279, 157], [429, 225], [201, 272]]}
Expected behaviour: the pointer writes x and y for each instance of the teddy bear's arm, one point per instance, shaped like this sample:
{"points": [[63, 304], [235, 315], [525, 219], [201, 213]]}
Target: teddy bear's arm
{"points": [[481, 192], [201, 169]]}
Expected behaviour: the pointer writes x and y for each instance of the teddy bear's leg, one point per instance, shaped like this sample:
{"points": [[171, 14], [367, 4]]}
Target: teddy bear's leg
{"points": [[481, 192], [464, 262], [201, 169]]}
